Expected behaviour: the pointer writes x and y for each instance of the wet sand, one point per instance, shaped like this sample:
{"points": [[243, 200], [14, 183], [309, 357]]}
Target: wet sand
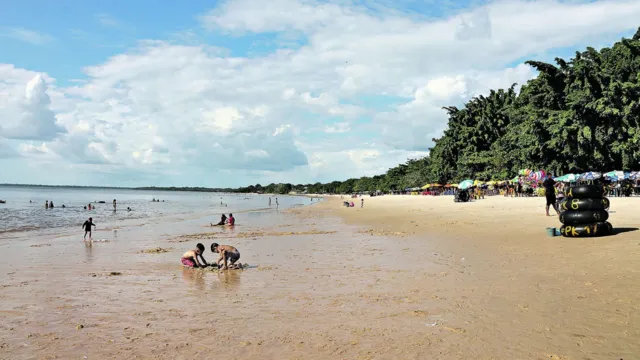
{"points": [[403, 278]]}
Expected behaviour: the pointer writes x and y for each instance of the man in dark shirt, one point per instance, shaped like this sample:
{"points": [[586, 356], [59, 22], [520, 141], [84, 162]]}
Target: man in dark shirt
{"points": [[550, 193], [87, 228]]}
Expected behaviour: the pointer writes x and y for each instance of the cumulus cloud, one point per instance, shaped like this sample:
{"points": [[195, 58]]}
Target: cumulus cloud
{"points": [[29, 116], [361, 90]]}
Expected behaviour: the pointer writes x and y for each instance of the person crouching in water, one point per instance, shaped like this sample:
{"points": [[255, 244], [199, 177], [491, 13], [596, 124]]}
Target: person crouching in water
{"points": [[228, 254], [190, 258], [223, 220]]}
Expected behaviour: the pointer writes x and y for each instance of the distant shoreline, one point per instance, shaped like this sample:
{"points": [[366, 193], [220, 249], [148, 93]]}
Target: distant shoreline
{"points": [[145, 188]]}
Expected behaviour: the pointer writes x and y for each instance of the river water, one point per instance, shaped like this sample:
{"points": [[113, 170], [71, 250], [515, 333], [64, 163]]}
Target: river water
{"points": [[25, 210]]}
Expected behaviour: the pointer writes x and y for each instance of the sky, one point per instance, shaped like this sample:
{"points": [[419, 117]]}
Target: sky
{"points": [[239, 92]]}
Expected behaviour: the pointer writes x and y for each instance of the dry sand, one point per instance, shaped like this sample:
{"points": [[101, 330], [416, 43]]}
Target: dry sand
{"points": [[403, 278]]}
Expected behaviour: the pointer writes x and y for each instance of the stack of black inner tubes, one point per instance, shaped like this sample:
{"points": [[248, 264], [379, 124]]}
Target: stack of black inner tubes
{"points": [[583, 213], [462, 196]]}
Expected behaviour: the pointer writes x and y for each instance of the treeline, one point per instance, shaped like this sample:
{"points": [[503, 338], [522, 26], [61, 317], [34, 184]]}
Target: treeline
{"points": [[577, 115]]}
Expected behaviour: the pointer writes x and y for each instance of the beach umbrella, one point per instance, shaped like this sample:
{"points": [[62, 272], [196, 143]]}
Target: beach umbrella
{"points": [[589, 176], [492, 182], [465, 184], [477, 183], [447, 185], [634, 175], [615, 175], [426, 186]]}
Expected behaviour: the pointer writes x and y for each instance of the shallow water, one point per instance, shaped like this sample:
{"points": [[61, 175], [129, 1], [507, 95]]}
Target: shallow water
{"points": [[25, 211]]}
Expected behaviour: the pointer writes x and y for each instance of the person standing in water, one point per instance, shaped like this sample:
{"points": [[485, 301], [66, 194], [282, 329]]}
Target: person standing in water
{"points": [[277, 202], [87, 228], [114, 205], [46, 204], [269, 200]]}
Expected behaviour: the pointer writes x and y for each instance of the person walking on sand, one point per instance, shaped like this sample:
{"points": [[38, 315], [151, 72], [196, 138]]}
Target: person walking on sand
{"points": [[550, 193], [87, 228], [361, 203]]}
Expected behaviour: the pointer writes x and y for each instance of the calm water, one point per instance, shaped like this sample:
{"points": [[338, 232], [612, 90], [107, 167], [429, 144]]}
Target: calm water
{"points": [[25, 211]]}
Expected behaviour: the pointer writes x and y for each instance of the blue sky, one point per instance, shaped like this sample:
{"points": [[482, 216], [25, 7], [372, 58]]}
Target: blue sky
{"points": [[235, 92]]}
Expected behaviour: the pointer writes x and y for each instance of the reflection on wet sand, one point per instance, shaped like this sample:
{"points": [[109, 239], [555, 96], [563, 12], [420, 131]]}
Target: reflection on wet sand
{"points": [[229, 278], [88, 247], [223, 279], [193, 277]]}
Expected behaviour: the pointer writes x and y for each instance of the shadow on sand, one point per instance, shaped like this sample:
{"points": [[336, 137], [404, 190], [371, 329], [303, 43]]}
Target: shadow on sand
{"points": [[621, 230]]}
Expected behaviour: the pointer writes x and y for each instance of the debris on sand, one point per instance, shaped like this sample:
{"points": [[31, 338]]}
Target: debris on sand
{"points": [[252, 234], [383, 232], [248, 234], [157, 250], [115, 273], [40, 245]]}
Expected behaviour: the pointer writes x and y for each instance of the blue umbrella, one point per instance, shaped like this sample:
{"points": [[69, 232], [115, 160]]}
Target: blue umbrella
{"points": [[589, 176], [465, 184]]}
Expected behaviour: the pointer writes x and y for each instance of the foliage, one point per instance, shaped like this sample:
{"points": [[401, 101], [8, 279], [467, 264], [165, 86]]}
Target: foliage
{"points": [[575, 116]]}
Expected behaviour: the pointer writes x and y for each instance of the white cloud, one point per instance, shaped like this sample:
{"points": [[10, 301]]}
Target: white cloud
{"points": [[342, 127], [107, 20], [26, 35], [27, 116], [322, 109]]}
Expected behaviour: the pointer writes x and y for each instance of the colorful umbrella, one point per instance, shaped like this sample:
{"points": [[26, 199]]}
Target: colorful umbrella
{"points": [[589, 176], [465, 184], [616, 175]]}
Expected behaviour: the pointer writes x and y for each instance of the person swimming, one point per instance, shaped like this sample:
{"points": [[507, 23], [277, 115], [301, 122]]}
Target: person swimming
{"points": [[229, 255], [190, 258]]}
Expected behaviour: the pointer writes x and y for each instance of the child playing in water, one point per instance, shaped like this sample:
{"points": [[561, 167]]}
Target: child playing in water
{"points": [[190, 258], [87, 228], [227, 253]]}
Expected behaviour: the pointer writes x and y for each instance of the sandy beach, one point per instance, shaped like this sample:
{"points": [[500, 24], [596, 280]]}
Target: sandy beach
{"points": [[405, 277]]}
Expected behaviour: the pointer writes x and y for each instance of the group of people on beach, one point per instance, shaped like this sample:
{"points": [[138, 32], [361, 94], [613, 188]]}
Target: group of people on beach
{"points": [[229, 255]]}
